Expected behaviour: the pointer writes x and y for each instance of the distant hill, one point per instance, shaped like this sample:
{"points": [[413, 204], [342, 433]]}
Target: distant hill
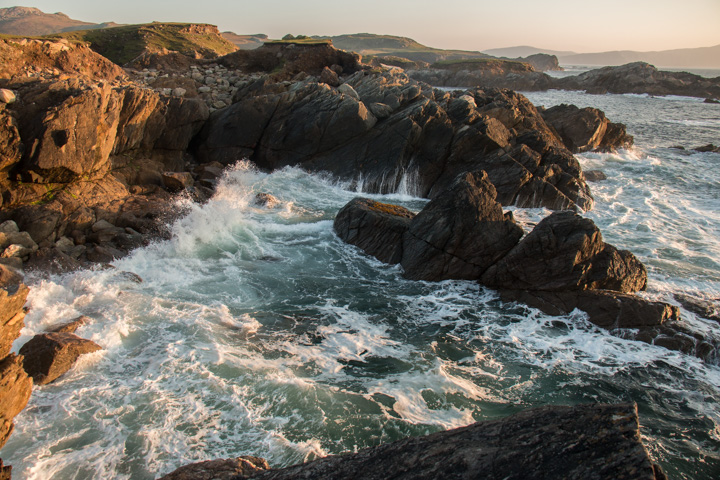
{"points": [[390, 45], [245, 42], [704, 57], [525, 51], [123, 44], [34, 22]]}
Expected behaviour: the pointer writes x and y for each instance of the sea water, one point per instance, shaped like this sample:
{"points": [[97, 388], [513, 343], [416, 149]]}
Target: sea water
{"points": [[256, 331]]}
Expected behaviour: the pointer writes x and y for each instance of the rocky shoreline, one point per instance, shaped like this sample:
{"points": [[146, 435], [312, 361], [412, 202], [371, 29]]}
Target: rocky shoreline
{"points": [[92, 158]]}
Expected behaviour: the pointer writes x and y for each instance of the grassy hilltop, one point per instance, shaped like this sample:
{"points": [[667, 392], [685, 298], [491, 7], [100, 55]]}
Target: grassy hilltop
{"points": [[125, 43]]}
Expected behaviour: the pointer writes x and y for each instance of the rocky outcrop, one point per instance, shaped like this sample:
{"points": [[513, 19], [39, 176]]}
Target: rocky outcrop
{"points": [[586, 129], [221, 469], [459, 234], [513, 74], [566, 252], [542, 62], [552, 442], [381, 130], [15, 384], [49, 355], [638, 77]]}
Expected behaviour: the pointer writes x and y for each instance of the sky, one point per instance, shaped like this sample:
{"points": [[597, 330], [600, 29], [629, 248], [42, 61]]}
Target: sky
{"points": [[643, 25]]}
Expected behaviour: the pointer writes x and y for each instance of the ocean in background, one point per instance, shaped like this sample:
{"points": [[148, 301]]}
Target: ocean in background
{"points": [[570, 70], [258, 332]]}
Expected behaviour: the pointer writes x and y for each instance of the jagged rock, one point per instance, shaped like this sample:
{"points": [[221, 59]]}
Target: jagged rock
{"points": [[329, 77], [398, 130], [13, 293], [376, 228], [460, 233], [221, 469], [348, 90], [15, 389], [551, 442], [49, 355], [586, 129], [11, 146], [711, 100], [70, 327], [177, 181], [566, 252]]}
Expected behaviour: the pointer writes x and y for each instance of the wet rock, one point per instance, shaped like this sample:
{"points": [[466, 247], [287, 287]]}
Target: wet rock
{"points": [[605, 308], [177, 181], [5, 471], [460, 233], [566, 252], [376, 228], [49, 355], [707, 148], [586, 129], [15, 389], [595, 175], [266, 200], [705, 308], [711, 100], [221, 469], [70, 327], [584, 441]]}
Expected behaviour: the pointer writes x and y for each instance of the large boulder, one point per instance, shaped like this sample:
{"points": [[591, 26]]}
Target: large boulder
{"points": [[376, 228], [15, 389], [460, 233], [586, 129], [49, 355], [566, 252], [584, 441]]}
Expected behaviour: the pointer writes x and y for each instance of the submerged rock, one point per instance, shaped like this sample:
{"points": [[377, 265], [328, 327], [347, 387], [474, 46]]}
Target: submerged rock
{"points": [[552, 442], [49, 355]]}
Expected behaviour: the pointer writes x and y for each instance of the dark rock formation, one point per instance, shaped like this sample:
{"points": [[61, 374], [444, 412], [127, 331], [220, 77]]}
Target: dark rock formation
{"points": [[638, 77], [376, 228], [542, 62], [382, 129], [49, 355], [586, 129], [220, 469], [459, 234], [566, 252], [707, 148], [552, 442], [5, 471], [595, 175]]}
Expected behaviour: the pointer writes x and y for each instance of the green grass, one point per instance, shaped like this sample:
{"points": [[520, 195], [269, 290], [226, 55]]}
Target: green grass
{"points": [[125, 43]]}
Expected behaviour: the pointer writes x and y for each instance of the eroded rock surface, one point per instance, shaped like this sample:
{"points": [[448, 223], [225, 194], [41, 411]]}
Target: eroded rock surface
{"points": [[553, 442], [220, 469]]}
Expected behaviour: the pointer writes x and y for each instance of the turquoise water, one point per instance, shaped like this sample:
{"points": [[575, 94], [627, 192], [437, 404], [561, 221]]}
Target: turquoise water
{"points": [[257, 331]]}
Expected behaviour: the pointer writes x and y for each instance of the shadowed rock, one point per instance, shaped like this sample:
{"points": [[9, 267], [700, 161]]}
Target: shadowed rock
{"points": [[376, 228], [553, 442], [566, 252], [460, 233], [220, 469], [49, 355], [586, 129], [15, 389]]}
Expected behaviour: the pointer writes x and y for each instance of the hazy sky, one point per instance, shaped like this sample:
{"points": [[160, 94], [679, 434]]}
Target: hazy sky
{"points": [[462, 24]]}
